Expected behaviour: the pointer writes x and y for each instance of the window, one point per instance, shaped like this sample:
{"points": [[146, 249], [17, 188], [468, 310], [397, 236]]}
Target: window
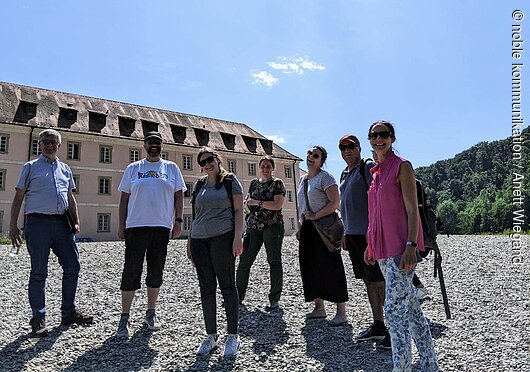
{"points": [[186, 162], [232, 166], [4, 143], [187, 193], [105, 154], [96, 121], [164, 155], [103, 222], [35, 148], [105, 185], [292, 224], [251, 169], [288, 173], [77, 179], [134, 155], [186, 223], [74, 151], [3, 173], [289, 195], [1, 221]]}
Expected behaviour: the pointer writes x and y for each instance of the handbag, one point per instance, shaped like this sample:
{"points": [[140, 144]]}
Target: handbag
{"points": [[330, 227]]}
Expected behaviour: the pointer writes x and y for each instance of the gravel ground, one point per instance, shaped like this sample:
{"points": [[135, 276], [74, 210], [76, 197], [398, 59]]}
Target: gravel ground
{"points": [[488, 295]]}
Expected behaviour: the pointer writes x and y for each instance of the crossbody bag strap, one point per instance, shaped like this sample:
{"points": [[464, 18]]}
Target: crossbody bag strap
{"points": [[306, 186]]}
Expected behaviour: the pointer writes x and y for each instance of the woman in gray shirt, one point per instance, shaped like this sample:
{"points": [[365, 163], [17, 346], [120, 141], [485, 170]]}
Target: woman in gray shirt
{"points": [[214, 243], [323, 276]]}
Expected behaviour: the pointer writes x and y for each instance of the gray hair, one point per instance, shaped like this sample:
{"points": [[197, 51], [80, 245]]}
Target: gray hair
{"points": [[50, 133]]}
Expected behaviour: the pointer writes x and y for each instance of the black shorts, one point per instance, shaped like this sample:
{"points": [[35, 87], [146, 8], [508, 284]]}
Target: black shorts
{"points": [[356, 245], [148, 242]]}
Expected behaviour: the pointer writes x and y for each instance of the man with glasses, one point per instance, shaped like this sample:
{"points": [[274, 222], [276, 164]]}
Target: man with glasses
{"points": [[46, 183], [354, 183], [150, 212]]}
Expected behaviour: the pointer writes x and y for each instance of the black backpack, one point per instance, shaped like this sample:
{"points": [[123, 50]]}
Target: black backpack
{"points": [[227, 183], [429, 220], [362, 170]]}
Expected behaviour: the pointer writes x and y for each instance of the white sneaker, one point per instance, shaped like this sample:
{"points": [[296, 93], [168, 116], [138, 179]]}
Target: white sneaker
{"points": [[232, 345], [421, 293], [151, 320], [208, 345]]}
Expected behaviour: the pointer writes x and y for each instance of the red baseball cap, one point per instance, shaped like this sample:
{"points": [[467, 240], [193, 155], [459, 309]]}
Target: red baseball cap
{"points": [[349, 138]]}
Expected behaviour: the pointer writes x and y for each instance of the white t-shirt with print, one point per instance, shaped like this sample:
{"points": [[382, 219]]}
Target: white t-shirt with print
{"points": [[152, 186]]}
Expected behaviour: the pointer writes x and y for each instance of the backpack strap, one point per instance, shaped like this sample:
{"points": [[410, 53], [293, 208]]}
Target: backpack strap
{"points": [[362, 169], [198, 185], [227, 183]]}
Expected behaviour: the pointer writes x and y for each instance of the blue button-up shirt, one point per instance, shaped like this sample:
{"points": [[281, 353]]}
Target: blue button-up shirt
{"points": [[46, 183]]}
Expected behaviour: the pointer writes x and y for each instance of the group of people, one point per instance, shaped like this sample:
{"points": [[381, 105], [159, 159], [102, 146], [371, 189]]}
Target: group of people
{"points": [[377, 201]]}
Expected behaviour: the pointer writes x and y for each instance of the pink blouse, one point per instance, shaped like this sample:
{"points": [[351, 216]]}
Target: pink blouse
{"points": [[387, 218]]}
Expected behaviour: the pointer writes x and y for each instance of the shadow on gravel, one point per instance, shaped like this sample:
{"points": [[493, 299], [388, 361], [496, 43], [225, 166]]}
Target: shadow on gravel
{"points": [[22, 350], [202, 363], [437, 329], [268, 329], [118, 354], [335, 349]]}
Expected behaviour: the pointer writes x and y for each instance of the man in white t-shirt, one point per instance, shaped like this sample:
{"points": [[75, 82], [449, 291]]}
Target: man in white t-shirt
{"points": [[150, 212]]}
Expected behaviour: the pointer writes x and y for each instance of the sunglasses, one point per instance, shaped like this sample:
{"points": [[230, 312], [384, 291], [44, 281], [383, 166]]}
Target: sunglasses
{"points": [[208, 160], [154, 142], [313, 154], [383, 134], [349, 146]]}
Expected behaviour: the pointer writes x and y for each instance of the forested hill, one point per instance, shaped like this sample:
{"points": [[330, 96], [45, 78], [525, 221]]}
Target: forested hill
{"points": [[474, 190]]}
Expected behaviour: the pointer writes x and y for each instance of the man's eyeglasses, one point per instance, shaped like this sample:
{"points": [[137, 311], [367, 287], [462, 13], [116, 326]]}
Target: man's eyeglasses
{"points": [[208, 160], [49, 143], [383, 134], [313, 154], [154, 142], [349, 146]]}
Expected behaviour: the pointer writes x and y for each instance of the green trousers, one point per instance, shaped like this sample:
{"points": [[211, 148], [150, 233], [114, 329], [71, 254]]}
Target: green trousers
{"points": [[272, 236]]}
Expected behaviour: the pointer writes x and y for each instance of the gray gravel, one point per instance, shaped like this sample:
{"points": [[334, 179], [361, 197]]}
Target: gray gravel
{"points": [[488, 294]]}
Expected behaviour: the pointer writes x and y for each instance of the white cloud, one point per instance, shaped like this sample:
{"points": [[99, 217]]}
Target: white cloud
{"points": [[275, 138], [263, 77], [295, 65]]}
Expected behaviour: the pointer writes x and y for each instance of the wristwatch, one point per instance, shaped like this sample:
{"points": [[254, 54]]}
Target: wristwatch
{"points": [[178, 219], [411, 243]]}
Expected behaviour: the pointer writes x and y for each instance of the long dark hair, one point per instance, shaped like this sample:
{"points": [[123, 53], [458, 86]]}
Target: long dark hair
{"points": [[222, 172]]}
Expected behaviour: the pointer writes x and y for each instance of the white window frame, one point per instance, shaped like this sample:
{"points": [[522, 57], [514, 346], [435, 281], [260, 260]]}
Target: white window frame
{"points": [[103, 222], [134, 155], [105, 154], [232, 166], [252, 169], [71, 146], [187, 162], [109, 186]]}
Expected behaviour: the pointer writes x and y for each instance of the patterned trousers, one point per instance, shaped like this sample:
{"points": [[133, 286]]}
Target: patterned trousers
{"points": [[405, 320]]}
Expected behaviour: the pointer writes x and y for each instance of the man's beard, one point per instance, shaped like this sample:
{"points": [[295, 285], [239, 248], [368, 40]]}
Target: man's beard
{"points": [[154, 151]]}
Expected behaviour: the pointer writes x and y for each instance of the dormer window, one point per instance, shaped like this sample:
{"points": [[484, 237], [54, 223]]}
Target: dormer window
{"points": [[179, 133], [267, 145], [203, 136], [25, 112], [229, 140], [149, 126], [250, 142], [126, 126], [96, 121], [67, 117]]}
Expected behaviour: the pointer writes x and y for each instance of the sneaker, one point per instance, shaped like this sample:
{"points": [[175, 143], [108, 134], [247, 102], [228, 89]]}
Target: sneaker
{"points": [[421, 293], [338, 320], [272, 305], [232, 345], [316, 314], [123, 327], [151, 320], [208, 345], [386, 344], [77, 318], [372, 333], [38, 327]]}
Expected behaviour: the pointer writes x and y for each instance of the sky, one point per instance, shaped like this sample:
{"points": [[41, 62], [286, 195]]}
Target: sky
{"points": [[302, 73]]}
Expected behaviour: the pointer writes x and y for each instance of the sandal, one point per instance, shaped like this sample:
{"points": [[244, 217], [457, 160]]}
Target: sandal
{"points": [[316, 314]]}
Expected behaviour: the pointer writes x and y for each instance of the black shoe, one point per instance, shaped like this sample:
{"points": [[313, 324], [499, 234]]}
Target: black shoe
{"points": [[77, 318], [272, 305], [386, 344], [372, 333], [38, 327]]}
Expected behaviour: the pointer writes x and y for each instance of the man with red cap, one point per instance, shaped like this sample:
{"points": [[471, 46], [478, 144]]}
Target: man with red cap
{"points": [[354, 182]]}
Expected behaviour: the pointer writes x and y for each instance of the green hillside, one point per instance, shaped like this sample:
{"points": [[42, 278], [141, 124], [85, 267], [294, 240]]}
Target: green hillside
{"points": [[474, 191]]}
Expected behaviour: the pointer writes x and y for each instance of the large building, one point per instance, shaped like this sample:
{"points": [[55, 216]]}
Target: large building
{"points": [[101, 137]]}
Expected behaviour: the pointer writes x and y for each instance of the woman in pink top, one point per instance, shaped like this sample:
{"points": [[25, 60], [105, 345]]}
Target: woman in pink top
{"points": [[394, 237]]}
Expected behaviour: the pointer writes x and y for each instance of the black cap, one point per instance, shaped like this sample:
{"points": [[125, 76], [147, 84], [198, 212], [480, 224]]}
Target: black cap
{"points": [[152, 134]]}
